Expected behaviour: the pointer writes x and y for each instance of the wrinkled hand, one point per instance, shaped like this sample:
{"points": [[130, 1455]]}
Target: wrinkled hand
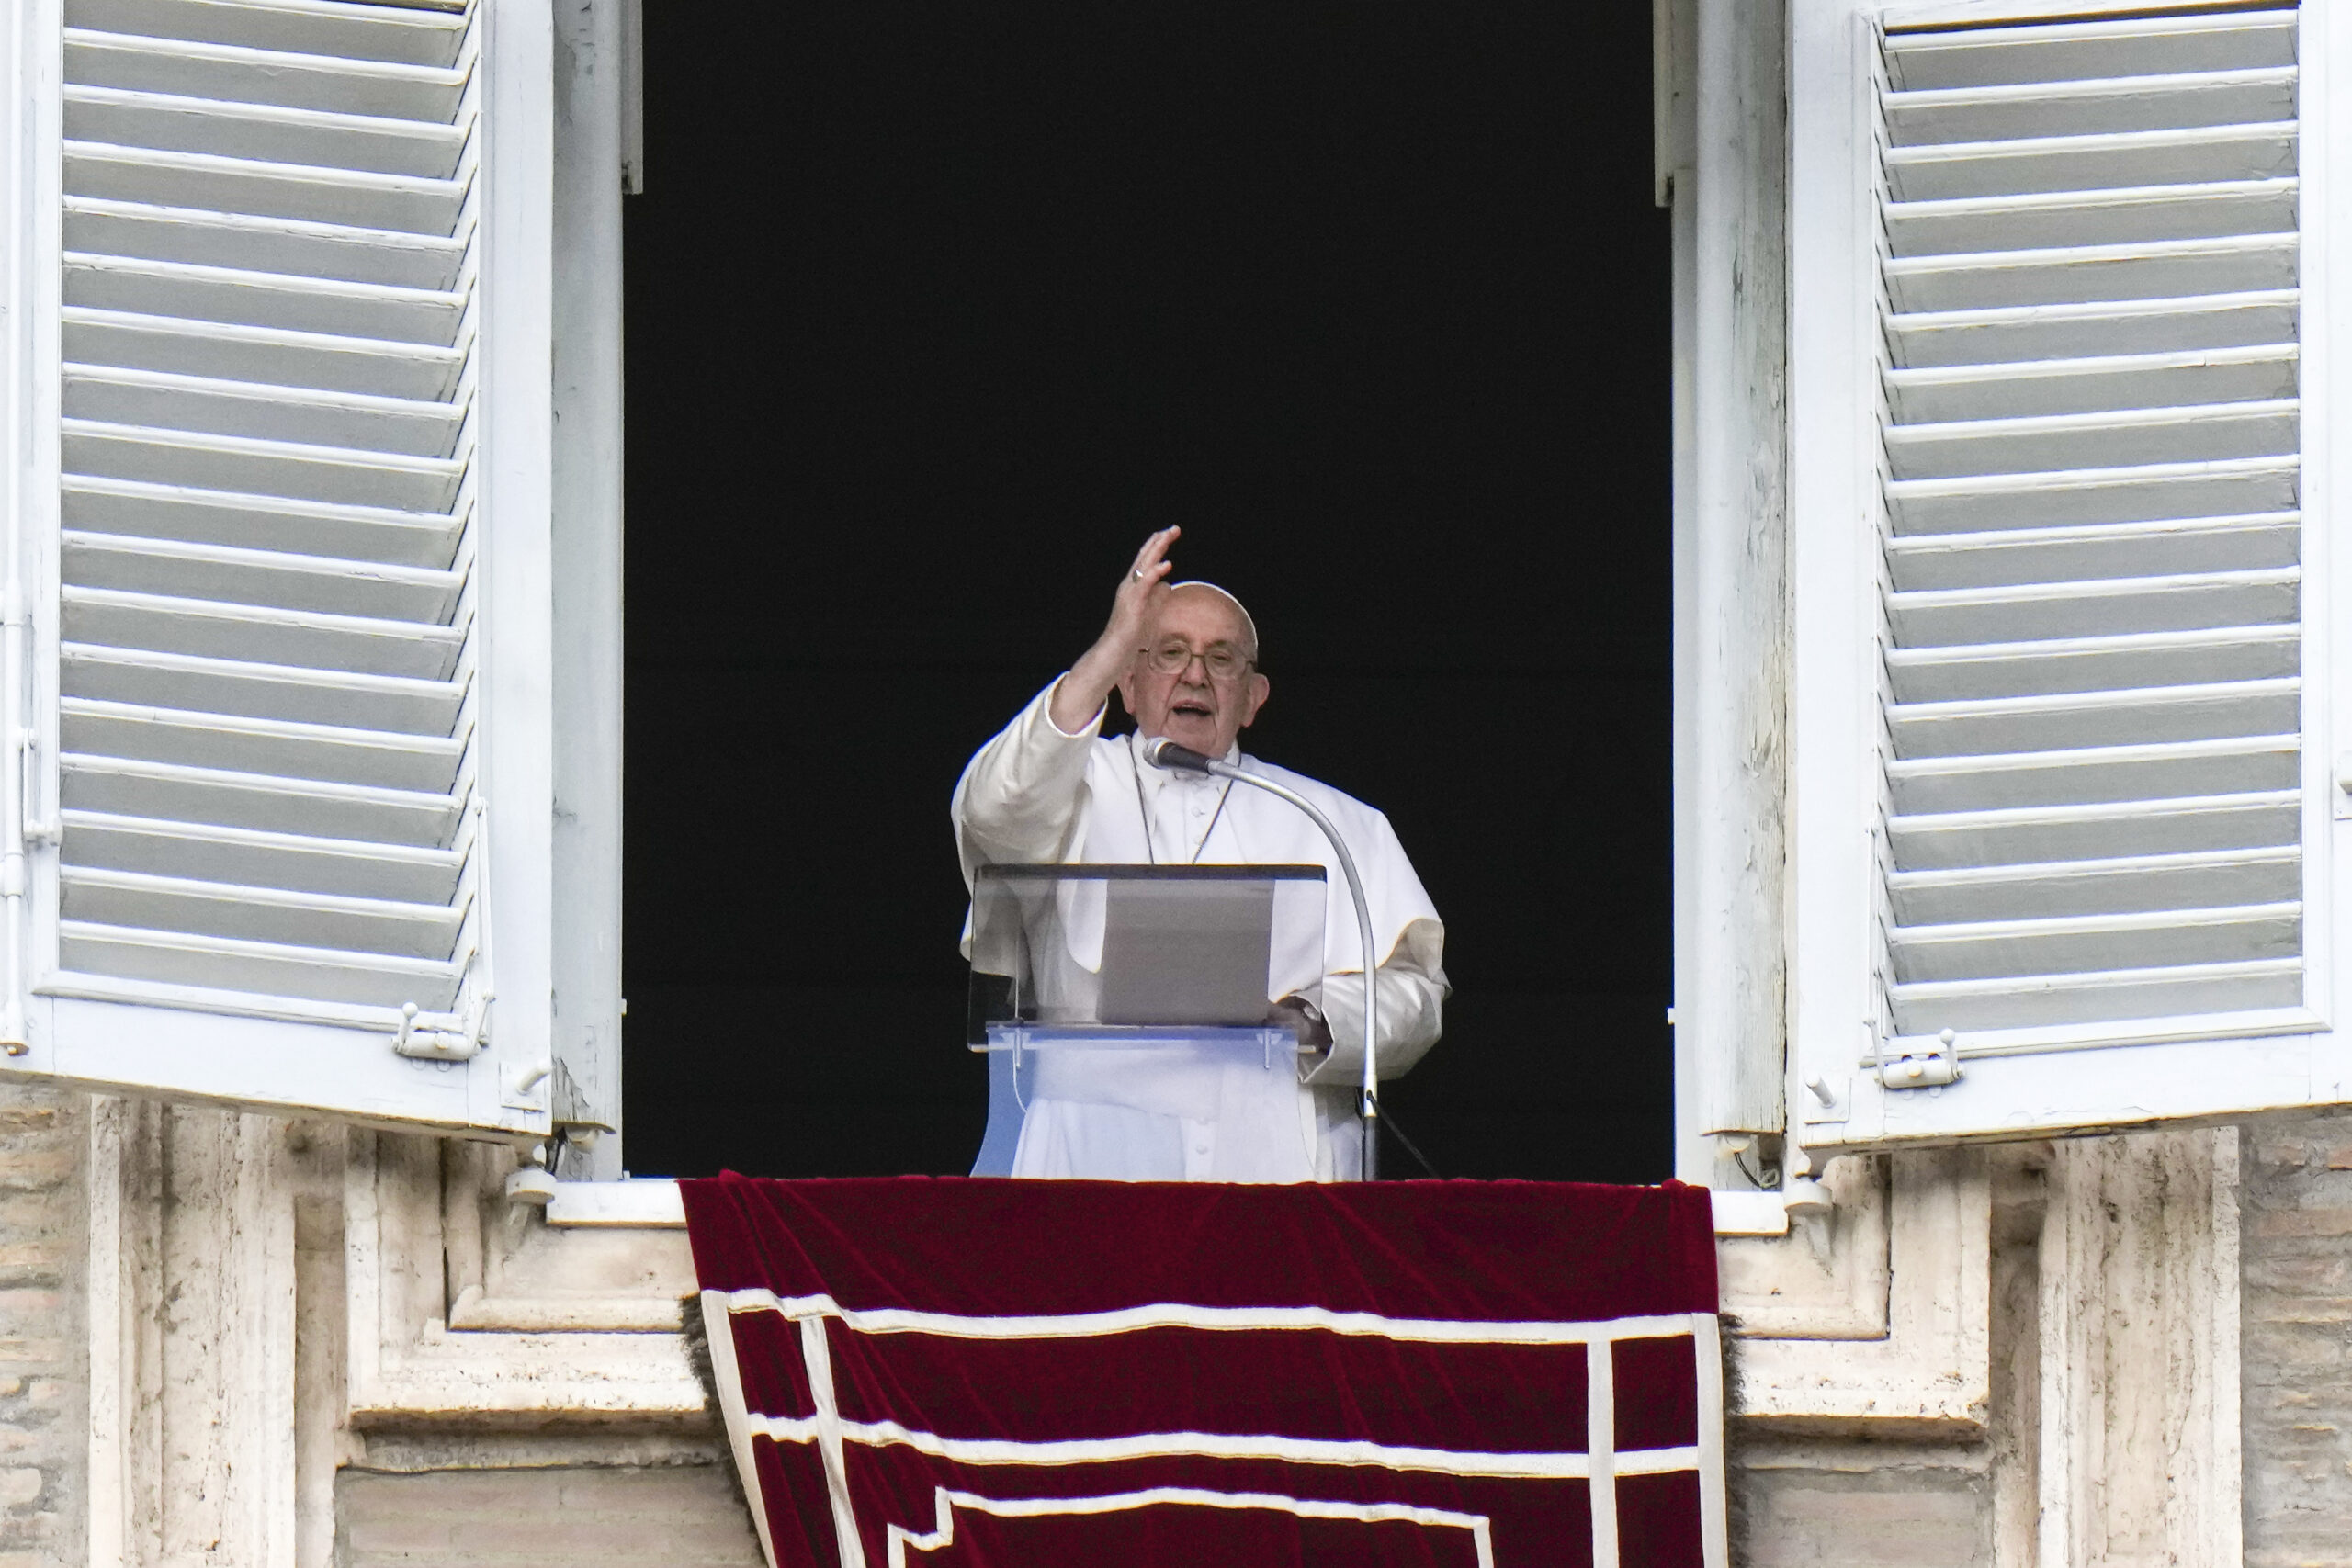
{"points": [[1081, 693], [1294, 1014]]}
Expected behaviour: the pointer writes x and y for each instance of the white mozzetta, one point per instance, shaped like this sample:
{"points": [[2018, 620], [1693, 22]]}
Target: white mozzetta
{"points": [[2062, 321], [293, 481]]}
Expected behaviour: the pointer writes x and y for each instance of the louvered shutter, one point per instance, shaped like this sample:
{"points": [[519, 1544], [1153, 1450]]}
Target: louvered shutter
{"points": [[2062, 715], [287, 574]]}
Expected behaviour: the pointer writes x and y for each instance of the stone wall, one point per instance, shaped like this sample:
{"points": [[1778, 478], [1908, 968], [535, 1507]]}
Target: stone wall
{"points": [[2297, 1251], [2020, 1400], [670, 1516], [43, 1384]]}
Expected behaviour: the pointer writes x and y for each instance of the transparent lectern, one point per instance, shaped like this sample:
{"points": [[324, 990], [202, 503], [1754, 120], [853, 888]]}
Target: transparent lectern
{"points": [[1127, 1014]]}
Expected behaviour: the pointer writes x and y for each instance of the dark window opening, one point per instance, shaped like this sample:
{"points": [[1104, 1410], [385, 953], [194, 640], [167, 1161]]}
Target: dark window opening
{"points": [[933, 313]]}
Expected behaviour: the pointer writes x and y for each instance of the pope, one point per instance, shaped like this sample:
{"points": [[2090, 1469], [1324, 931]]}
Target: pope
{"points": [[1183, 659]]}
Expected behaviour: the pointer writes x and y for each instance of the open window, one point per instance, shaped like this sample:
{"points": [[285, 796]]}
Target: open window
{"points": [[275, 828], [2067, 695]]}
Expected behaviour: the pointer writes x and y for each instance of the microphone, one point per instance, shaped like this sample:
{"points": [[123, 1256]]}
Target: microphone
{"points": [[1162, 752]]}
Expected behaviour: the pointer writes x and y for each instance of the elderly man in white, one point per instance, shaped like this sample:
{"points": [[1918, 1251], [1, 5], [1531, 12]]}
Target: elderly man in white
{"points": [[1051, 787]]}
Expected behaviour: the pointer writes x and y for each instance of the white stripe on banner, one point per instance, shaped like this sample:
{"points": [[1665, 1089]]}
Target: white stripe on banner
{"points": [[1600, 1446], [1177, 1315], [1304, 1507], [1714, 1511], [727, 1373], [817, 1357], [1221, 1445]]}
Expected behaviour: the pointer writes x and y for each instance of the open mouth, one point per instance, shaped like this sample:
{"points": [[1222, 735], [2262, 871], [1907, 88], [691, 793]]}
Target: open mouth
{"points": [[1187, 707]]}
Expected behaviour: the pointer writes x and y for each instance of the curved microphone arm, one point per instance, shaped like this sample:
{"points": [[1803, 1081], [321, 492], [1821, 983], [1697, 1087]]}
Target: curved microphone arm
{"points": [[1161, 752]]}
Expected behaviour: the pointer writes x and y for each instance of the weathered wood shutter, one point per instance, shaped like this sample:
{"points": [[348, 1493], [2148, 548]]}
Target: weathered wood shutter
{"points": [[257, 793], [2091, 776]]}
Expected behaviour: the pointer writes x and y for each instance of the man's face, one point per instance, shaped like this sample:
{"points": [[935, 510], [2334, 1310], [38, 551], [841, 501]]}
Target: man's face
{"points": [[1193, 705]]}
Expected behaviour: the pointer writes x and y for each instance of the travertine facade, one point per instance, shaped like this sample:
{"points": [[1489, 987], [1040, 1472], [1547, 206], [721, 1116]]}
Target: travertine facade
{"points": [[2298, 1248], [240, 1340], [43, 1364], [233, 1340]]}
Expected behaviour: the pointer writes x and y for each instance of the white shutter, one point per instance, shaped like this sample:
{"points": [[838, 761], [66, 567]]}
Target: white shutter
{"points": [[258, 791], [2092, 870]]}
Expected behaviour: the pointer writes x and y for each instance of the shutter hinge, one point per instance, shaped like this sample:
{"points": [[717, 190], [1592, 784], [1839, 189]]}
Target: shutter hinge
{"points": [[1932, 1068]]}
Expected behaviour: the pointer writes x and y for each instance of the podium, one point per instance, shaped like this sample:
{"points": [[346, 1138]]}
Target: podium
{"points": [[1126, 1012]]}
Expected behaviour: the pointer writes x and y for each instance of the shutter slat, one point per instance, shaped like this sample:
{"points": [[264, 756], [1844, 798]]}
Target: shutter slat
{"points": [[1951, 617], [2010, 335], [125, 340], [243, 688], [177, 958], [291, 415], [404, 35], [2028, 1002], [253, 857], [2228, 765], [327, 752], [2100, 830], [267, 133], [2040, 444], [262, 914], [1977, 57], [263, 522], [211, 628], [2200, 879], [117, 786], [2142, 493], [2195, 156], [2113, 549], [2064, 721], [403, 202], [1966, 671], [2064, 219], [236, 74], [2008, 110], [291, 250], [200, 293], [2075, 943], [271, 579], [2253, 373], [1987, 280], [292, 471]]}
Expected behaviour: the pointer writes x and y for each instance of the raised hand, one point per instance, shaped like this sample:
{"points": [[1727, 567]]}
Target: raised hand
{"points": [[1087, 685]]}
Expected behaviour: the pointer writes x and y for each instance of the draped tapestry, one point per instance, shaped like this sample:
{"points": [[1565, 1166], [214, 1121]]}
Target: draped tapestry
{"points": [[957, 1373]]}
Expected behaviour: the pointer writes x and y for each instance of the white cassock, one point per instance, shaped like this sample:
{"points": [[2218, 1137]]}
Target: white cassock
{"points": [[1036, 795]]}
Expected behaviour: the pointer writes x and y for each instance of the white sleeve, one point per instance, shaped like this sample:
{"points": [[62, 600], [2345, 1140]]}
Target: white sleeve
{"points": [[1412, 1003], [1017, 802]]}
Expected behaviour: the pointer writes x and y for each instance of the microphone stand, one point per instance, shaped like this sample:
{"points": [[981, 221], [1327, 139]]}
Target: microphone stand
{"points": [[1164, 753]]}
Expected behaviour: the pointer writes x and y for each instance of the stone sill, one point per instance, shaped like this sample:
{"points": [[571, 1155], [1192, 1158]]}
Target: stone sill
{"points": [[651, 1202]]}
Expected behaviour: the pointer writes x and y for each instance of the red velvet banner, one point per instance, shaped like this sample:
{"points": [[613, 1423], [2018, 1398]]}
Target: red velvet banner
{"points": [[983, 1374]]}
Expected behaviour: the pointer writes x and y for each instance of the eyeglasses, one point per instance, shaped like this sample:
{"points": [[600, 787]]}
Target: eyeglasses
{"points": [[1173, 658]]}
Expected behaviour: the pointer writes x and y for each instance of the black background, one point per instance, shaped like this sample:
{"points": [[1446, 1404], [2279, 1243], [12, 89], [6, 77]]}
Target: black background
{"points": [[934, 311]]}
